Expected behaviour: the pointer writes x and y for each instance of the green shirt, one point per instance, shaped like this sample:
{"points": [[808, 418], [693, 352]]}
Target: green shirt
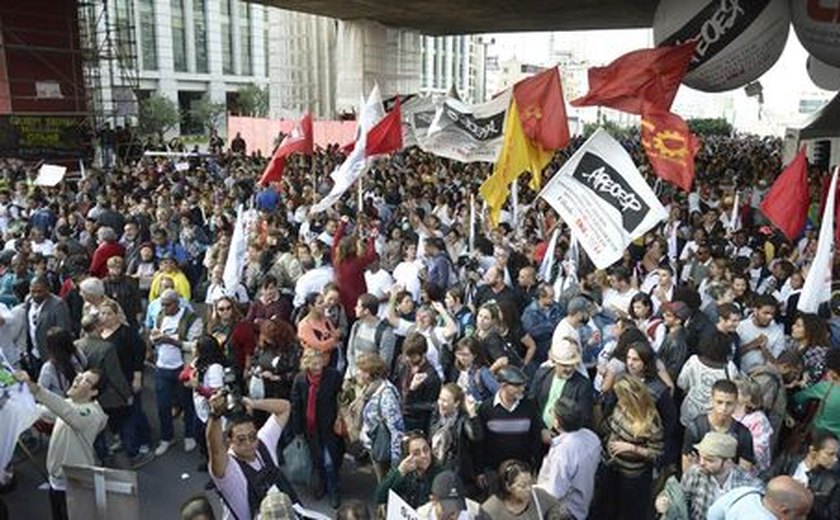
{"points": [[828, 417], [557, 386]]}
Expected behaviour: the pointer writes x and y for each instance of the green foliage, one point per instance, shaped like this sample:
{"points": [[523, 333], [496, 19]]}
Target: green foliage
{"points": [[252, 101], [207, 114], [613, 128], [158, 114], [705, 127]]}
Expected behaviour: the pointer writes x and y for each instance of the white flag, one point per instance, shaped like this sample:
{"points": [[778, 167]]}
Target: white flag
{"points": [[604, 199], [547, 263], [735, 218], [817, 287], [468, 133], [17, 411], [356, 163], [235, 262]]}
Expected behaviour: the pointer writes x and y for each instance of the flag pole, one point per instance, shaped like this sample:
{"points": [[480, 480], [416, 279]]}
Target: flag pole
{"points": [[472, 222], [359, 202], [514, 198]]}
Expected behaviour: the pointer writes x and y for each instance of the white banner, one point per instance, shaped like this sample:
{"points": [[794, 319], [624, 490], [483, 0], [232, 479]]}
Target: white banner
{"points": [[398, 509], [417, 116], [17, 411], [817, 286], [50, 175], [468, 133], [601, 195]]}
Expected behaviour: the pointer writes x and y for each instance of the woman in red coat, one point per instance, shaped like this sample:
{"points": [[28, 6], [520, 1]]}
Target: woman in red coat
{"points": [[349, 265]]}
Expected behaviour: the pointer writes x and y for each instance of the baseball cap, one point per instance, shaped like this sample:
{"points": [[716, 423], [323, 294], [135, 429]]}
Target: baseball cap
{"points": [[678, 309], [717, 444], [511, 375], [447, 488]]}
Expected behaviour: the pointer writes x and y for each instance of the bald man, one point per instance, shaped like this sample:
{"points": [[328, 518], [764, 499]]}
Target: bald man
{"points": [[785, 499]]}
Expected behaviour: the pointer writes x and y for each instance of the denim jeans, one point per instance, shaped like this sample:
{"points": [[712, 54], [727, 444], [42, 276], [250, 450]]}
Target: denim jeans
{"points": [[168, 392], [330, 473], [135, 430]]}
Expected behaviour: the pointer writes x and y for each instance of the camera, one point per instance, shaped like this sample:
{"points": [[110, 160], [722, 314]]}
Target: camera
{"points": [[233, 392]]}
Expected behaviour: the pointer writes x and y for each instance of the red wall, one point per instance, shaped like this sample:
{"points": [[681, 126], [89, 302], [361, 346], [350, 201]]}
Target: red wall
{"points": [[40, 42]]}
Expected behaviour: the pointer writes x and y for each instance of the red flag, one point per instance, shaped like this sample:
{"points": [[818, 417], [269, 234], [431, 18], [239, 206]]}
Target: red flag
{"points": [[670, 147], [786, 204], [644, 77], [299, 141], [386, 136], [542, 110]]}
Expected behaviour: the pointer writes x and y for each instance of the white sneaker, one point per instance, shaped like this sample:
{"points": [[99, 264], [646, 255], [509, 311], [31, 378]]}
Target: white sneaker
{"points": [[189, 444], [144, 449], [162, 448]]}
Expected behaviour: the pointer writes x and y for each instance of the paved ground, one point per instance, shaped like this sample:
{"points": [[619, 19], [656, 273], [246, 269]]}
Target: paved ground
{"points": [[162, 490]]}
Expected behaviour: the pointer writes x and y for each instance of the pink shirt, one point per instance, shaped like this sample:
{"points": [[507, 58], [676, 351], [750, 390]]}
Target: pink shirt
{"points": [[233, 485]]}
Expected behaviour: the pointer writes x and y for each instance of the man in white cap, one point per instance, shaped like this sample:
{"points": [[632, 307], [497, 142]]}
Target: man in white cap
{"points": [[714, 475], [560, 378]]}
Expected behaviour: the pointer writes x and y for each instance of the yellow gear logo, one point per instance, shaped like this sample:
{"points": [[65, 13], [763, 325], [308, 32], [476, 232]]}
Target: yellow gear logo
{"points": [[661, 141]]}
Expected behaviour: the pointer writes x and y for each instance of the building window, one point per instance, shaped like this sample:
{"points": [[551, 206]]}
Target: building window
{"points": [[124, 39], [245, 38], [265, 40], [148, 43], [227, 38], [179, 37], [200, 30]]}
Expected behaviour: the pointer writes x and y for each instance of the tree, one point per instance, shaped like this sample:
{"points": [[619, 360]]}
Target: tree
{"points": [[613, 128], [158, 114], [206, 114], [710, 126], [252, 101]]}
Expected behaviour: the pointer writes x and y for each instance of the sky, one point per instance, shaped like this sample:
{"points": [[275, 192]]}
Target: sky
{"points": [[784, 84]]}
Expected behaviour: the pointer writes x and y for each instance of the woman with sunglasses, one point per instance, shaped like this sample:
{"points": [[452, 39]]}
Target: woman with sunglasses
{"points": [[235, 335], [314, 396], [517, 498]]}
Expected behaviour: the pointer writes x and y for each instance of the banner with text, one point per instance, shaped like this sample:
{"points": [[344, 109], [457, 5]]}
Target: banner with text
{"points": [[468, 133], [601, 195]]}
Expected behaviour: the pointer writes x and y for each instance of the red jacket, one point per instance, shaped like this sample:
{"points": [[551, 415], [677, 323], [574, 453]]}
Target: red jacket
{"points": [[350, 273], [99, 262]]}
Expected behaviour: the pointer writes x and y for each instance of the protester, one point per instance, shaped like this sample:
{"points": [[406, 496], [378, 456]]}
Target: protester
{"points": [[314, 395], [689, 303], [78, 420]]}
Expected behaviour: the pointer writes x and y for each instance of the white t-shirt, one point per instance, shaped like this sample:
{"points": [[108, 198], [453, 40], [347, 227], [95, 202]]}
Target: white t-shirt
{"points": [[407, 274], [169, 356], [616, 300], [213, 378], [379, 284], [748, 331]]}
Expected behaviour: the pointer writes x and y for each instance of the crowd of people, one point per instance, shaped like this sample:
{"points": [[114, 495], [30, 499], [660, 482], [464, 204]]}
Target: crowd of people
{"points": [[402, 335]]}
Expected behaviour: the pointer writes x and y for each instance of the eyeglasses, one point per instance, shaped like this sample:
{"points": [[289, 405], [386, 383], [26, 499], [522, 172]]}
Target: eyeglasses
{"points": [[224, 308], [246, 438]]}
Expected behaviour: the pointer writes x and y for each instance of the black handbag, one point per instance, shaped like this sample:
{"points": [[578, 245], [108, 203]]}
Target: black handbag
{"points": [[380, 449]]}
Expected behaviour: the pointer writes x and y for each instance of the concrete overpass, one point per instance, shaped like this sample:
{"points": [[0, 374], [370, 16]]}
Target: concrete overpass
{"points": [[435, 17]]}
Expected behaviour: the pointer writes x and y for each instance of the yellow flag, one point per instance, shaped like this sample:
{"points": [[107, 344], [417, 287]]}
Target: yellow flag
{"points": [[518, 155]]}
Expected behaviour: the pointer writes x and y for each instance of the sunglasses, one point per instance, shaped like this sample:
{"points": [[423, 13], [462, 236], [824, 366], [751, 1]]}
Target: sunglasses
{"points": [[224, 308], [247, 438]]}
